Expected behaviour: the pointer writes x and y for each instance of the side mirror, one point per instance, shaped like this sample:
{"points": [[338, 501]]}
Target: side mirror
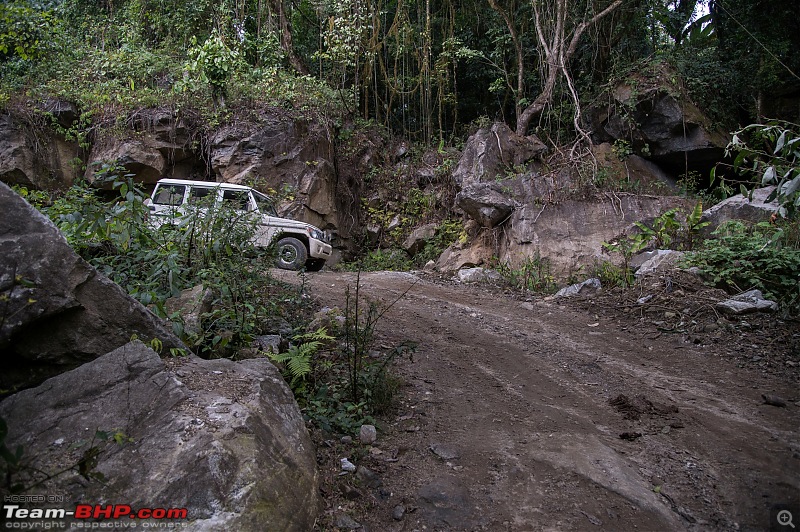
{"points": [[147, 202]]}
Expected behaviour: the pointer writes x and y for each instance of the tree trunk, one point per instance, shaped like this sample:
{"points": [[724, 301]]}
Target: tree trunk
{"points": [[557, 49], [286, 37]]}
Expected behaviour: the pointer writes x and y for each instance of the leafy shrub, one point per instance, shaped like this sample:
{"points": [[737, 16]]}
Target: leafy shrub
{"points": [[533, 275], [762, 256], [770, 155]]}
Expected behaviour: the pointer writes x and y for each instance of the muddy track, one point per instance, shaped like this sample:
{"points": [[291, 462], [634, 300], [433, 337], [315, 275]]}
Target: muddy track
{"points": [[525, 404]]}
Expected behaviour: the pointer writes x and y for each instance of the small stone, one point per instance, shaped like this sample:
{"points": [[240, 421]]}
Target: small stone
{"points": [[755, 359], [346, 522], [367, 435], [669, 315], [773, 400], [444, 452], [368, 478], [347, 465], [347, 440], [398, 512]]}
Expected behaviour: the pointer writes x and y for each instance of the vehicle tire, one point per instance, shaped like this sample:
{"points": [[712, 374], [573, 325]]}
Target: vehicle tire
{"points": [[314, 265], [292, 254]]}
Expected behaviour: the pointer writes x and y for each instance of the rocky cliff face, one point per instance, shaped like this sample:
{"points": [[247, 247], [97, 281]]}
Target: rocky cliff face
{"points": [[527, 212], [270, 150]]}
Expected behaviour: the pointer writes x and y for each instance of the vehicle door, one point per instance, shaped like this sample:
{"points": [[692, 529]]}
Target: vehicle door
{"points": [[268, 225], [167, 203]]}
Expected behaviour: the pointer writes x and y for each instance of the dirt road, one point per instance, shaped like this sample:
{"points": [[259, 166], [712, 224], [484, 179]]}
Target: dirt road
{"points": [[543, 416]]}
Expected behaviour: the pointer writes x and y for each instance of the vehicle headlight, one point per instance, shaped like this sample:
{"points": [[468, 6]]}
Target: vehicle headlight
{"points": [[318, 234]]}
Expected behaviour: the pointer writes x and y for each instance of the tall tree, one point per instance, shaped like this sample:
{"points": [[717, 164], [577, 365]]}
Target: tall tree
{"points": [[558, 36]]}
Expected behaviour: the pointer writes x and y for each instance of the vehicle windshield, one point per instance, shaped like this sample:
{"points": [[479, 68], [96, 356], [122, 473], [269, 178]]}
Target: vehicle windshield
{"points": [[265, 205]]}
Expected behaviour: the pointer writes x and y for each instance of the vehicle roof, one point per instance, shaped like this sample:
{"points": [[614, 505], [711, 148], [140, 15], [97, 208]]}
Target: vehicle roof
{"points": [[190, 182]]}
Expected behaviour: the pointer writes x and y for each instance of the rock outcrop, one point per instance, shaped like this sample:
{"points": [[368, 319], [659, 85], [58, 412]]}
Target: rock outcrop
{"points": [[36, 158], [278, 152], [493, 152], [739, 207], [659, 125], [486, 203], [59, 312], [223, 439]]}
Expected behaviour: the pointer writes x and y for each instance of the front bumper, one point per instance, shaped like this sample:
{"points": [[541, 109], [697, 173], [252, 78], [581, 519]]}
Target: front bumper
{"points": [[318, 249]]}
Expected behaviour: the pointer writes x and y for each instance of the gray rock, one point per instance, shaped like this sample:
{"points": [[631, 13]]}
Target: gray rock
{"points": [[270, 343], [398, 512], [660, 260], [368, 478], [347, 465], [586, 288], [445, 504], [478, 275], [346, 522], [751, 301], [191, 304], [277, 151], [486, 203], [223, 439], [445, 452], [46, 167], [669, 126], [367, 434], [430, 266], [139, 155], [493, 151], [740, 207], [419, 237], [63, 312]]}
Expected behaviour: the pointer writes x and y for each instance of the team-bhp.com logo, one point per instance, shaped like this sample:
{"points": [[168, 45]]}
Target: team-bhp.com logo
{"points": [[18, 517]]}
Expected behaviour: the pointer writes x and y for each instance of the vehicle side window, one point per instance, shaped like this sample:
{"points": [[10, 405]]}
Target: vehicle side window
{"points": [[236, 199], [265, 206], [202, 195], [169, 195]]}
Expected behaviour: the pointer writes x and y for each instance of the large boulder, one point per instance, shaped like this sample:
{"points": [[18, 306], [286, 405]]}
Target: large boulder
{"points": [[419, 237], [224, 440], [486, 203], [277, 152], [647, 111], [494, 152], [570, 234], [740, 207], [58, 311]]}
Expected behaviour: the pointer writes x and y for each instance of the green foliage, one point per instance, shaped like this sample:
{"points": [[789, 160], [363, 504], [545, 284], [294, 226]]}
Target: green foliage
{"points": [[533, 275], [298, 360], [762, 256], [25, 32], [341, 383], [213, 62], [612, 275], [770, 154]]}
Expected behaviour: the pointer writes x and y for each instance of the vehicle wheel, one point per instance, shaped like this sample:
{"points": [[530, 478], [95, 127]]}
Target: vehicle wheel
{"points": [[314, 265], [292, 254]]}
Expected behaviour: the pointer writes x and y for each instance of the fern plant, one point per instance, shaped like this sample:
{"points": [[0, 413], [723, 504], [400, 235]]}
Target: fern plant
{"points": [[298, 360]]}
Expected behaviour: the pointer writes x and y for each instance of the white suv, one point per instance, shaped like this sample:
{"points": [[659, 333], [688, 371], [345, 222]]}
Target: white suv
{"points": [[298, 244]]}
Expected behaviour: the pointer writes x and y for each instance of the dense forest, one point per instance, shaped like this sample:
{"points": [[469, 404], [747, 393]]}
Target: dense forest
{"points": [[425, 69]]}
